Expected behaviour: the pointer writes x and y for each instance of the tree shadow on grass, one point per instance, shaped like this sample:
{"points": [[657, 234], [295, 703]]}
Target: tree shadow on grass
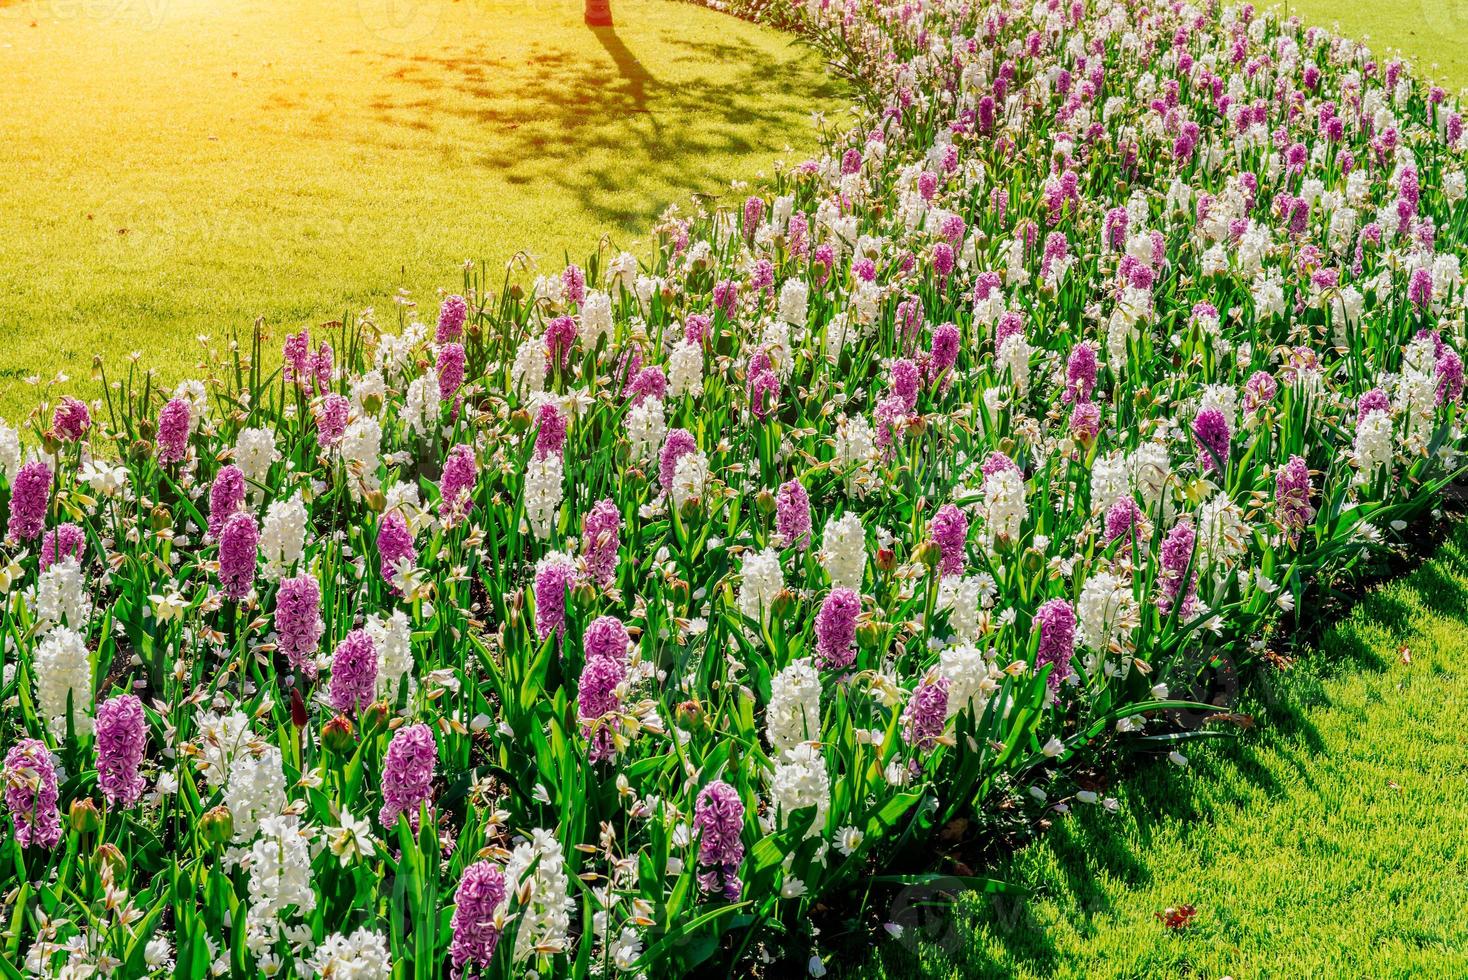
{"points": [[614, 131]]}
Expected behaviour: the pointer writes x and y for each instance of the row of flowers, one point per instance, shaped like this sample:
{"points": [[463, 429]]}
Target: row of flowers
{"points": [[619, 620]]}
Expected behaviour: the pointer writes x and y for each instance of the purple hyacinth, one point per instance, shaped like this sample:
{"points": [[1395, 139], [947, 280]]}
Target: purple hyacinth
{"points": [[298, 625], [679, 443], [836, 629], [394, 546], [62, 542], [456, 485], [754, 212], [122, 732], [905, 383], [1056, 621], [1449, 371], [1374, 400], [353, 673], [407, 774], [1080, 373], [718, 822], [950, 532], [560, 334], [476, 934], [650, 382], [173, 430], [764, 393], [239, 547], [1085, 422], [606, 637], [30, 494], [1123, 520], [601, 534], [71, 420], [792, 514], [1177, 586], [450, 370], [1292, 496], [331, 419], [574, 280], [598, 698], [944, 352], [926, 712], [997, 462], [226, 496], [552, 580], [550, 431], [451, 314], [1259, 391], [30, 794], [1211, 432]]}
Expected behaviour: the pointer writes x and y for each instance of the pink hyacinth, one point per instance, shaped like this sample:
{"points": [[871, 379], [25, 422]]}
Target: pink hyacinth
{"points": [[950, 533], [62, 542], [173, 430], [1449, 371], [476, 933], [122, 732], [394, 546], [606, 637], [456, 485], [836, 629], [677, 444], [322, 365], [296, 352], [718, 822], [30, 794], [1085, 422], [696, 328], [298, 625], [226, 496], [1374, 400], [926, 713], [1211, 432], [550, 431], [792, 514], [552, 580], [239, 547], [450, 369], [1123, 520], [574, 281], [764, 394], [353, 673], [1292, 496], [601, 536], [407, 774], [1056, 621], [451, 314], [1259, 391], [332, 413], [30, 494], [754, 212], [71, 420], [597, 698], [650, 382]]}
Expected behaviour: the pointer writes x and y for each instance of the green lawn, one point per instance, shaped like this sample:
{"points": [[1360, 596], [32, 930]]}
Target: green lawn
{"points": [[1331, 841], [181, 167]]}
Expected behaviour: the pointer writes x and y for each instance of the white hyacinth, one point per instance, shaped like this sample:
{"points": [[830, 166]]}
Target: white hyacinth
{"points": [[361, 956], [794, 712], [844, 551], [361, 448], [63, 670], [393, 638], [254, 452], [283, 536], [423, 406], [647, 427], [690, 477], [9, 452], [62, 596], [1107, 609], [761, 580], [255, 791], [280, 884], [801, 780], [1375, 443], [544, 491], [685, 369], [545, 905]]}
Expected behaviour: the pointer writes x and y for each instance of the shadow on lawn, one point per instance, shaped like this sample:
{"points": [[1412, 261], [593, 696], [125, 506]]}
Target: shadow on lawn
{"points": [[609, 130], [1091, 847]]}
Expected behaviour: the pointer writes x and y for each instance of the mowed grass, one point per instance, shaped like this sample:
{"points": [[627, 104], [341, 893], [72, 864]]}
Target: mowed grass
{"points": [[1330, 841], [175, 168]]}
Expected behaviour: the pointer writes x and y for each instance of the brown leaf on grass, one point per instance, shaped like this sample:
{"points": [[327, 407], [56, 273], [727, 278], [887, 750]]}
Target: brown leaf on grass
{"points": [[1406, 654], [1177, 917]]}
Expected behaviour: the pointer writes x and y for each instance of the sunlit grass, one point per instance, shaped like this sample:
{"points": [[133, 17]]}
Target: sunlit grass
{"points": [[182, 167]]}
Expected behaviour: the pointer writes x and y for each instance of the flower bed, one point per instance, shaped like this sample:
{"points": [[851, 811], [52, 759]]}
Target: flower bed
{"points": [[616, 623]]}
